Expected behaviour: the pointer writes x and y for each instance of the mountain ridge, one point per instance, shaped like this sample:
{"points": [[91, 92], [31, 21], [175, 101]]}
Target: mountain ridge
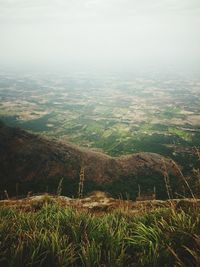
{"points": [[35, 161]]}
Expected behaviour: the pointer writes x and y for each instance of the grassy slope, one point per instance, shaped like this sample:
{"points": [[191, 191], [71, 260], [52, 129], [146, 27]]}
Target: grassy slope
{"points": [[57, 236]]}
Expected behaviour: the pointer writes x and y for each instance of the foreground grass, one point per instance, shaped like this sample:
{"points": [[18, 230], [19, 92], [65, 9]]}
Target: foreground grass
{"points": [[57, 236]]}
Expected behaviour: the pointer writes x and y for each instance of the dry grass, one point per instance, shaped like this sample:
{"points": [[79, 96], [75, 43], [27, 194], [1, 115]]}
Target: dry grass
{"points": [[54, 235]]}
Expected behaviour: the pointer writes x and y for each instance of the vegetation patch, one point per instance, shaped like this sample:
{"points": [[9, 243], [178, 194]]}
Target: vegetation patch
{"points": [[63, 236]]}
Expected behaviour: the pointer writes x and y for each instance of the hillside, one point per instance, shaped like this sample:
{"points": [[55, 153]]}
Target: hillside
{"points": [[99, 231], [29, 162]]}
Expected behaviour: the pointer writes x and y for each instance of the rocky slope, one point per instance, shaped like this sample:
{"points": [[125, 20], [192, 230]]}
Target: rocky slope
{"points": [[31, 162], [99, 201]]}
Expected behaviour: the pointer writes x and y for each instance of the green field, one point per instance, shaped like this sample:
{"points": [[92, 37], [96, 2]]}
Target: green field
{"points": [[116, 116]]}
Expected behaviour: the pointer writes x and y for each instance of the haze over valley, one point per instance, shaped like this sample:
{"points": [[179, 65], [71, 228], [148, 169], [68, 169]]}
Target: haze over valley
{"points": [[116, 114], [99, 133]]}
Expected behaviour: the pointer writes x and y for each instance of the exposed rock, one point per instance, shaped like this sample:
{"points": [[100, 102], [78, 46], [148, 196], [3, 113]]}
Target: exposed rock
{"points": [[101, 204]]}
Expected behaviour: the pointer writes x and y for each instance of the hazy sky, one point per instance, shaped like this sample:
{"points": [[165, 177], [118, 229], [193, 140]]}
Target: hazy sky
{"points": [[104, 32]]}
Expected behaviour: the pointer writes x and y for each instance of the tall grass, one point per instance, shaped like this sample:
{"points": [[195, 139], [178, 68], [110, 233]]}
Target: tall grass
{"points": [[57, 236]]}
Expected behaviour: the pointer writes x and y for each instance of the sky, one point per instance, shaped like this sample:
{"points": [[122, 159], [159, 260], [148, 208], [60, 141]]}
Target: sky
{"points": [[100, 32]]}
